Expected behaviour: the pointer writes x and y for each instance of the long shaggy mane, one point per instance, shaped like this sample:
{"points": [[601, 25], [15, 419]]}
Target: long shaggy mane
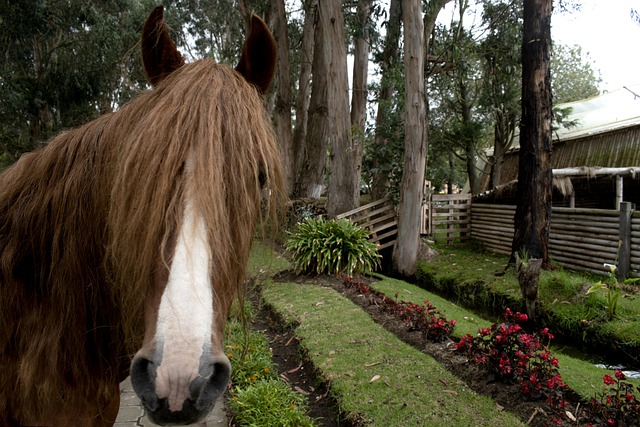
{"points": [[86, 227]]}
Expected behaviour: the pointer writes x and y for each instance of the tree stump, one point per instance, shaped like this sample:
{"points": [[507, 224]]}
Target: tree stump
{"points": [[528, 273]]}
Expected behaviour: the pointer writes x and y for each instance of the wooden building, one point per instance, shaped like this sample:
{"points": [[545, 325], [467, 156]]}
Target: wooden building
{"points": [[596, 163]]}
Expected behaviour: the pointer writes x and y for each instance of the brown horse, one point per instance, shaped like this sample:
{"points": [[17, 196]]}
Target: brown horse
{"points": [[124, 242]]}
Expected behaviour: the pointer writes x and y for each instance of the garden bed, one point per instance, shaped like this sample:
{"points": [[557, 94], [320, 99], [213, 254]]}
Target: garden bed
{"points": [[294, 303], [478, 281]]}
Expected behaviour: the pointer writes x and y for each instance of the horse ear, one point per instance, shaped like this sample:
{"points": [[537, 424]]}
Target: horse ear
{"points": [[159, 55], [258, 61]]}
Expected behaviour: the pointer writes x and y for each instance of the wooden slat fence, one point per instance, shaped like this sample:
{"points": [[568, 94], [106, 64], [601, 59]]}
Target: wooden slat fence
{"points": [[635, 244], [446, 217], [379, 218], [493, 226], [582, 239]]}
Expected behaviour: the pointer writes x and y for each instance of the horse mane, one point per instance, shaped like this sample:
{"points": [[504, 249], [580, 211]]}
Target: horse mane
{"points": [[86, 227]]}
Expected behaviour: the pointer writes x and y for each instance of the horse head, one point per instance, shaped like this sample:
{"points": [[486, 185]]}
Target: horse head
{"points": [[181, 368]]}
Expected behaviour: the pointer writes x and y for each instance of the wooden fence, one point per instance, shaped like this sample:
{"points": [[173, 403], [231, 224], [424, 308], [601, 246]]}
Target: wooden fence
{"points": [[634, 255], [379, 218], [447, 217], [582, 239]]}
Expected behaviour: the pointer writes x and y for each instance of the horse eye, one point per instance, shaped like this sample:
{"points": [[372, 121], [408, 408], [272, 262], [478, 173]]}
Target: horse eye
{"points": [[262, 178]]}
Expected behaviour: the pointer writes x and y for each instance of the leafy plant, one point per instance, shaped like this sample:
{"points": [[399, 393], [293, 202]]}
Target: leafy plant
{"points": [[331, 246], [617, 405], [516, 356], [249, 354], [424, 318], [269, 403], [258, 398], [612, 291]]}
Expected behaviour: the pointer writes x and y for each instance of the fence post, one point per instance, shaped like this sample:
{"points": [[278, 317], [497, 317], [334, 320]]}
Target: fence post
{"points": [[624, 253]]}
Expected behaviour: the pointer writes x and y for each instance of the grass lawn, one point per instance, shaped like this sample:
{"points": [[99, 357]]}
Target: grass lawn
{"points": [[469, 278], [342, 340], [375, 377], [582, 376]]}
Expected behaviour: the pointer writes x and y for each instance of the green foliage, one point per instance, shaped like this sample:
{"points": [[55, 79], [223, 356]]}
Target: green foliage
{"points": [[573, 76], [331, 246], [269, 403], [383, 162], [258, 398], [64, 64], [249, 355]]}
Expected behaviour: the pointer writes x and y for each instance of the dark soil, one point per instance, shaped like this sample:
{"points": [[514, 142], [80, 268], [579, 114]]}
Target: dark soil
{"points": [[296, 369]]}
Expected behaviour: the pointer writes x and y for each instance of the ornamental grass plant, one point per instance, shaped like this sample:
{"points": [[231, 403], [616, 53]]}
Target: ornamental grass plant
{"points": [[337, 246]]}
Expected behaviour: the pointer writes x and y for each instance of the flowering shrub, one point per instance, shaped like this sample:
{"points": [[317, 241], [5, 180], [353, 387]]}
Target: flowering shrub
{"points": [[425, 318], [516, 356], [617, 405]]}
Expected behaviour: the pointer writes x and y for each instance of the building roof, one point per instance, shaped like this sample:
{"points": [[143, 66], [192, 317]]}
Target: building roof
{"points": [[613, 110]]}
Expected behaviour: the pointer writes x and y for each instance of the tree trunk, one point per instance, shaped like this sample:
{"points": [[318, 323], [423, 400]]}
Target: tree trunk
{"points": [[528, 274], [312, 167], [380, 183], [360, 71], [503, 132], [416, 43], [405, 252], [282, 111], [304, 88], [470, 143], [344, 172], [533, 208]]}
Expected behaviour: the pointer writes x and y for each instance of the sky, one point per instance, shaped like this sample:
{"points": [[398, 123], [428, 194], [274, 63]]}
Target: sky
{"points": [[607, 33]]}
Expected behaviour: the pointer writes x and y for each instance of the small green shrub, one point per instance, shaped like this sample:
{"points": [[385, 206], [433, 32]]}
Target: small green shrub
{"points": [[331, 246], [249, 354], [269, 403]]}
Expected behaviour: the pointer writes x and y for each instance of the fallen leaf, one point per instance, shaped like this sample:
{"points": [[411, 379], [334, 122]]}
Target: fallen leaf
{"points": [[499, 407], [332, 352], [368, 365], [291, 339], [291, 371], [570, 416], [374, 378], [301, 391], [443, 381], [319, 303], [450, 391]]}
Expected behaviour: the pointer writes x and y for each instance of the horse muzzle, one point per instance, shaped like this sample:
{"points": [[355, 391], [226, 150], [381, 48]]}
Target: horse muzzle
{"points": [[187, 400]]}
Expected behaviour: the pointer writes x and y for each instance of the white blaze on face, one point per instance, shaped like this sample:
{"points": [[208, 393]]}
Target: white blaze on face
{"points": [[185, 315]]}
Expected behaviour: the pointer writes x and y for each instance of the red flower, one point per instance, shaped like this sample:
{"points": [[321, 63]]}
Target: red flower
{"points": [[620, 375], [608, 380]]}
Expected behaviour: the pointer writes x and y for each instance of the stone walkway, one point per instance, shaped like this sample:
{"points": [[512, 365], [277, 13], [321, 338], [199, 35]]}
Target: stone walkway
{"points": [[132, 415]]}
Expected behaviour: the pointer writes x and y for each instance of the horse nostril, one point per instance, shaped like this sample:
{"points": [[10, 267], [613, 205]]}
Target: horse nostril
{"points": [[210, 385], [143, 375]]}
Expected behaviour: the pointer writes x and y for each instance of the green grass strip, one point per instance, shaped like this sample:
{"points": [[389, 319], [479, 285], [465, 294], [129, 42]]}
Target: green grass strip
{"points": [[265, 261], [377, 378], [583, 377]]}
